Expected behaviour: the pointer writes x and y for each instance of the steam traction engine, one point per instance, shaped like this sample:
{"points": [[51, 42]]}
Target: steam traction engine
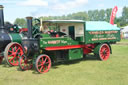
{"points": [[8, 35], [67, 40]]}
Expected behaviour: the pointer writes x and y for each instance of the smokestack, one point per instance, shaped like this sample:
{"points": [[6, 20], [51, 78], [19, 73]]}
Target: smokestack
{"points": [[1, 17], [29, 25]]}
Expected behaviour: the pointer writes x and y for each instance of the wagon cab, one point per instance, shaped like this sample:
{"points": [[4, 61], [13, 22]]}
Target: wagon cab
{"points": [[81, 32]]}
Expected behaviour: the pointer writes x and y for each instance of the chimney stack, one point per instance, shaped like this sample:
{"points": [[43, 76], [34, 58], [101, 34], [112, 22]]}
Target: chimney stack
{"points": [[29, 26], [1, 17]]}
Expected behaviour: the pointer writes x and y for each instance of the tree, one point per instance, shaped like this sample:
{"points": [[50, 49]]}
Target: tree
{"points": [[21, 22], [90, 15], [93, 15], [108, 14], [124, 16], [101, 15], [80, 16]]}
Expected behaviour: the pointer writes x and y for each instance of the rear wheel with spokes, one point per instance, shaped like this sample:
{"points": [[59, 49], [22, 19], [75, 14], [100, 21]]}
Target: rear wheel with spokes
{"points": [[103, 51], [1, 59]]}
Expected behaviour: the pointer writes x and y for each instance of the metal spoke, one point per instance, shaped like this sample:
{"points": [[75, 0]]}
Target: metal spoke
{"points": [[18, 49], [45, 60], [11, 59], [41, 68], [39, 65]]}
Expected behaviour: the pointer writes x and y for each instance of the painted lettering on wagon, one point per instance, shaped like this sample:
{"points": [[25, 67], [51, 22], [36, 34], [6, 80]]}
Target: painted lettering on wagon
{"points": [[95, 39], [103, 32], [103, 35], [55, 42]]}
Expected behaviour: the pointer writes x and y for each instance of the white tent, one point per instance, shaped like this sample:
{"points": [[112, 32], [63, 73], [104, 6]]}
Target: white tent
{"points": [[125, 31]]}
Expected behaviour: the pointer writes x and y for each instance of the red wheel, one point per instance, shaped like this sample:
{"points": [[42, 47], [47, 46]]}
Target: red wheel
{"points": [[104, 52], [43, 63], [1, 59], [24, 63], [12, 53]]}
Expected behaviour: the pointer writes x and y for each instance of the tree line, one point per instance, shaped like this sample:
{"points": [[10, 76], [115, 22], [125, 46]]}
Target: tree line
{"points": [[91, 15]]}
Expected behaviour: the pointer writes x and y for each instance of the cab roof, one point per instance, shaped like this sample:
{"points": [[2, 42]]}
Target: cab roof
{"points": [[89, 25], [65, 21]]}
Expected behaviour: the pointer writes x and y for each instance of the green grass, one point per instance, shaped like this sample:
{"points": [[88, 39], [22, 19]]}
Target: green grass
{"points": [[124, 41], [91, 71]]}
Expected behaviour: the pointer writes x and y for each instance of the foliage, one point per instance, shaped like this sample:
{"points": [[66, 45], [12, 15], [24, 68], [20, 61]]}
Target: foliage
{"points": [[124, 19], [91, 15], [21, 22]]}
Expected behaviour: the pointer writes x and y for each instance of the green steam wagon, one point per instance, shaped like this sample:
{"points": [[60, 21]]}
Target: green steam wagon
{"points": [[63, 40]]}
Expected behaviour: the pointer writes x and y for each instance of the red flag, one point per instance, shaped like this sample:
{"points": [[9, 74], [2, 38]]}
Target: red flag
{"points": [[113, 14]]}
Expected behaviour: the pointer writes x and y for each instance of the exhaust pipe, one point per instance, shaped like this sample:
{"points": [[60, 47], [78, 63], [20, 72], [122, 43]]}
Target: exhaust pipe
{"points": [[1, 17], [29, 25]]}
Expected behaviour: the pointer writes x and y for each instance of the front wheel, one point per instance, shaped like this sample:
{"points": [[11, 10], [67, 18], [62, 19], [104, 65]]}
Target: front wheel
{"points": [[24, 63], [43, 63], [103, 52]]}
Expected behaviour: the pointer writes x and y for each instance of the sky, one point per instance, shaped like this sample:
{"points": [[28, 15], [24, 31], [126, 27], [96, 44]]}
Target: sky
{"points": [[22, 8]]}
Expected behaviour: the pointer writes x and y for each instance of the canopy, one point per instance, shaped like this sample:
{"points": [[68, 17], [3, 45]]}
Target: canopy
{"points": [[89, 25], [125, 29], [99, 26]]}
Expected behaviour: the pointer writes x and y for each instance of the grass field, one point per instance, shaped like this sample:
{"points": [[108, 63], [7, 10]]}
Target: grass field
{"points": [[91, 71], [124, 41]]}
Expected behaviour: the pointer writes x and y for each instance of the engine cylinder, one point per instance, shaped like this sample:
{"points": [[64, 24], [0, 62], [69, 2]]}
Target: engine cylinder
{"points": [[4, 40]]}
